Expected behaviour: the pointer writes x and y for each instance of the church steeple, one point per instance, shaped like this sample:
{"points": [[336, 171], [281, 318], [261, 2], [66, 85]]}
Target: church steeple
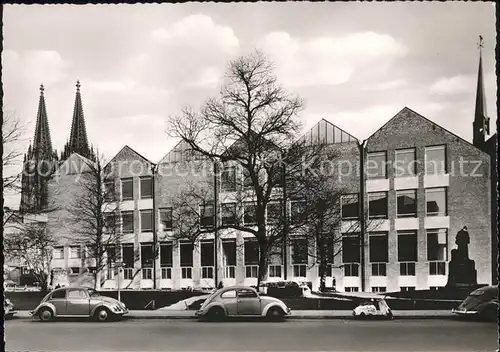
{"points": [[39, 163], [78, 142], [42, 143], [481, 124]]}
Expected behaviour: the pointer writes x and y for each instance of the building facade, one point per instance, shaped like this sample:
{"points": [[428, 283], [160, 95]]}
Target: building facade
{"points": [[417, 190], [410, 188]]}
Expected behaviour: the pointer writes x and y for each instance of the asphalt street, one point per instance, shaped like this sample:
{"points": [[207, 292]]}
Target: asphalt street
{"points": [[301, 335]]}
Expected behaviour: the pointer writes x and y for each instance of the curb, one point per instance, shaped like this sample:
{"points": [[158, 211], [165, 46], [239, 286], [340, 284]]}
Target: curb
{"points": [[296, 317]]}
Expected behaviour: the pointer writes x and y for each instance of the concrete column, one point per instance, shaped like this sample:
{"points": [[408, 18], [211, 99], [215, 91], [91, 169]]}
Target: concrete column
{"points": [[240, 259], [196, 273], [176, 265]]}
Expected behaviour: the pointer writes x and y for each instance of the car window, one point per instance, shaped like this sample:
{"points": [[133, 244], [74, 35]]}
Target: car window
{"points": [[77, 294], [93, 293], [246, 294], [59, 294], [229, 294]]}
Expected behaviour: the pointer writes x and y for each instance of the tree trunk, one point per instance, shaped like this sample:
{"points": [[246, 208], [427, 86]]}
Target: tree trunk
{"points": [[263, 260]]}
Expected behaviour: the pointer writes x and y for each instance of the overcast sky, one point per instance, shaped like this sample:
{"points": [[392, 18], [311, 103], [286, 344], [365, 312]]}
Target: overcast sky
{"points": [[355, 64]]}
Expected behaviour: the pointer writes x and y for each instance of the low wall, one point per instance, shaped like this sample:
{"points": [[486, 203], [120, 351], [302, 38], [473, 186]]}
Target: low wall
{"points": [[140, 300]]}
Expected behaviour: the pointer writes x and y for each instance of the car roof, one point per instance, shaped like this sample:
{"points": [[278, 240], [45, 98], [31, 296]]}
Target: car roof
{"points": [[65, 288], [236, 287]]}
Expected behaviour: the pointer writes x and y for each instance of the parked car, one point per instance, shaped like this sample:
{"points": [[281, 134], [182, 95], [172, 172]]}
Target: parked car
{"points": [[78, 302], [481, 303], [8, 308], [375, 307], [242, 301]]}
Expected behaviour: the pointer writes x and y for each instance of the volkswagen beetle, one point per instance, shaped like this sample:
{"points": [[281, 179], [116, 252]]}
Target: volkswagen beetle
{"points": [[8, 308], [78, 302], [242, 301]]}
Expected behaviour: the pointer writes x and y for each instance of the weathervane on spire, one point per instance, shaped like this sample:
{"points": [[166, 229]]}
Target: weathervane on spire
{"points": [[78, 85], [480, 45]]}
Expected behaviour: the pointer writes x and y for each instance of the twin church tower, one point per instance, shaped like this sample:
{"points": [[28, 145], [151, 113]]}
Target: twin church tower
{"points": [[42, 160]]}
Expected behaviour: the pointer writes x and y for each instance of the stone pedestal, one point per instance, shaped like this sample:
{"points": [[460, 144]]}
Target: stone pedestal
{"points": [[461, 270]]}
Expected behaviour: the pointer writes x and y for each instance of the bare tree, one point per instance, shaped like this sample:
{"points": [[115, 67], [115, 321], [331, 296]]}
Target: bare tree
{"points": [[33, 246], [93, 212], [12, 134], [249, 126]]}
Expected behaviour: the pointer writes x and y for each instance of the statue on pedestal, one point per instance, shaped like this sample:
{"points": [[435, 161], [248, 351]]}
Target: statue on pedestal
{"points": [[462, 271]]}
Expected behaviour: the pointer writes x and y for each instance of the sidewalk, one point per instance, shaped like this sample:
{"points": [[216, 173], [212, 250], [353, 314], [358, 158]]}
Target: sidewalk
{"points": [[296, 314]]}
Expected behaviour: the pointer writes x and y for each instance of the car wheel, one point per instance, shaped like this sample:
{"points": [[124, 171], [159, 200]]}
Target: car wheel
{"points": [[390, 316], [216, 314], [46, 314], [276, 314], [102, 314]]}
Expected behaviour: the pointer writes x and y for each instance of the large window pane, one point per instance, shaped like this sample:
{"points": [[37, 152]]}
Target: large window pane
{"points": [[186, 250], [128, 221], [228, 179], [166, 218], [297, 211], [407, 203], [274, 212], [127, 189], [146, 220], [228, 211], [437, 241], [207, 253], [250, 216], [207, 215], [435, 199], [109, 190], [146, 187], [128, 255], [435, 160], [251, 252], [299, 251], [351, 249], [229, 252], [379, 247], [350, 206], [146, 255], [407, 246], [376, 165], [377, 205], [405, 163], [166, 254]]}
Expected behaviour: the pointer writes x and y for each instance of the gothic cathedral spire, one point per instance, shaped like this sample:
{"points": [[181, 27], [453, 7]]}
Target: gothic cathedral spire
{"points": [[39, 163], [481, 124], [78, 142]]}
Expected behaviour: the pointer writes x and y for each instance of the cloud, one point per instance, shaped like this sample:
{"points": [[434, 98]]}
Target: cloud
{"points": [[453, 85], [329, 60], [389, 85], [112, 86], [35, 66], [191, 52]]}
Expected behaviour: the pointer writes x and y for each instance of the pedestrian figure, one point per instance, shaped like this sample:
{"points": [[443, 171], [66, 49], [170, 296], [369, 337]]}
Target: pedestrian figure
{"points": [[220, 285]]}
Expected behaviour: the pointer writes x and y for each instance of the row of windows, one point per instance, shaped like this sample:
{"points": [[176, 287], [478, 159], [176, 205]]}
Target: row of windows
{"points": [[405, 162], [436, 205], [127, 188], [435, 163], [406, 205], [378, 253], [274, 271]]}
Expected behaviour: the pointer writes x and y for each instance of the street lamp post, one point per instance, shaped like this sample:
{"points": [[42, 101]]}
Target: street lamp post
{"points": [[216, 212], [362, 151]]}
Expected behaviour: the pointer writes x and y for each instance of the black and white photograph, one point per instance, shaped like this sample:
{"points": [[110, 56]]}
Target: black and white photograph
{"points": [[249, 176]]}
